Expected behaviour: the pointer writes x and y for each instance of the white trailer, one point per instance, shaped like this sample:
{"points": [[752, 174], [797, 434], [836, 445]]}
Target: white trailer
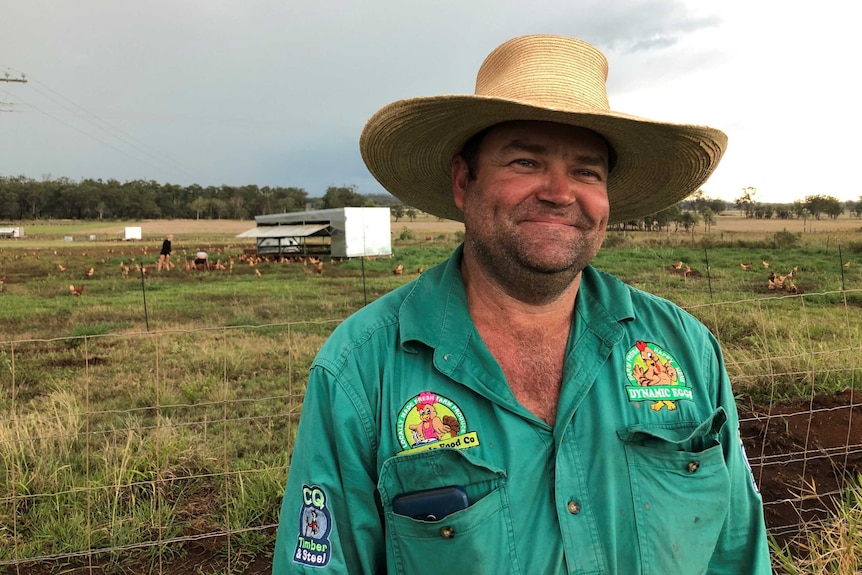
{"points": [[338, 232], [12, 232]]}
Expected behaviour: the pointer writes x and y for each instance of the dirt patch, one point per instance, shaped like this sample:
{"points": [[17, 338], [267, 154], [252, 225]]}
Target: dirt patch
{"points": [[802, 455]]}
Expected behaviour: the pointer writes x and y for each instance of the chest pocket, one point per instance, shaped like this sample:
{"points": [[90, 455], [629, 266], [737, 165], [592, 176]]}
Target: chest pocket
{"points": [[681, 489], [473, 541]]}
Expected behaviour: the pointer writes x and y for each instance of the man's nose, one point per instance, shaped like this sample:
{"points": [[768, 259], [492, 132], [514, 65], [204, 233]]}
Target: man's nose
{"points": [[557, 187]]}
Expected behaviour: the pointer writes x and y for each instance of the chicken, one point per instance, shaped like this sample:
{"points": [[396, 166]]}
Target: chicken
{"points": [[318, 267], [257, 272], [399, 270], [745, 267], [677, 266], [76, 290], [61, 267], [766, 264], [420, 270], [89, 273]]}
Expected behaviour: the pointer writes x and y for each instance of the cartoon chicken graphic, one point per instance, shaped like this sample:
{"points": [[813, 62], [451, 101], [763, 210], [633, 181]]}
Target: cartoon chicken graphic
{"points": [[431, 427], [654, 373]]}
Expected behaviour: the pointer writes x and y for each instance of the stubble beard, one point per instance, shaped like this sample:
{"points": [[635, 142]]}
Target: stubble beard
{"points": [[511, 262]]}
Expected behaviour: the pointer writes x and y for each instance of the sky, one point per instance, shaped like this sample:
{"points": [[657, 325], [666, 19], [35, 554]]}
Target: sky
{"points": [[276, 92]]}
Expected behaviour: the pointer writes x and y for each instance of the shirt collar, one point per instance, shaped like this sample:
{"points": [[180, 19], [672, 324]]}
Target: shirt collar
{"points": [[435, 311]]}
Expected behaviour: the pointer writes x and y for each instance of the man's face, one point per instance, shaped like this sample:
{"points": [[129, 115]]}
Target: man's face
{"points": [[538, 203]]}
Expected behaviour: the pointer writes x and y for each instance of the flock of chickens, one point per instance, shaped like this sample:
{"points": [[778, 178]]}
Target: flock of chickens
{"points": [[315, 264], [775, 282]]}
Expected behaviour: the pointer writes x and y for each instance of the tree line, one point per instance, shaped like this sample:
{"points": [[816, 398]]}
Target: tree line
{"points": [[23, 198]]}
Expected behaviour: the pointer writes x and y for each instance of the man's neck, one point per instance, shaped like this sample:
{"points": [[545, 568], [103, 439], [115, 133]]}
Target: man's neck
{"points": [[492, 307]]}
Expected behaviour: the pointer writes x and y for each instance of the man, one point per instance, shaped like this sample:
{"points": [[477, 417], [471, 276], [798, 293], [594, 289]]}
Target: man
{"points": [[586, 427]]}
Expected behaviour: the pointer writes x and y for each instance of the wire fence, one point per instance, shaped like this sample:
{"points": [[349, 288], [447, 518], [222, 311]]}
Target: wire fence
{"points": [[161, 451]]}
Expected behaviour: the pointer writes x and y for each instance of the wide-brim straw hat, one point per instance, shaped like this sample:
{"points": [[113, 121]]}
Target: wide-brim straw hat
{"points": [[408, 145]]}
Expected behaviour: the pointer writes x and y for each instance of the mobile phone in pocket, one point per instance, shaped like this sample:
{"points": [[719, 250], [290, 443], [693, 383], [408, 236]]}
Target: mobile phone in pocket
{"points": [[431, 504]]}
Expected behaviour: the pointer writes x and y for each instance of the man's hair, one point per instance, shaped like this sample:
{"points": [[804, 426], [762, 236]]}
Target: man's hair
{"points": [[470, 153]]}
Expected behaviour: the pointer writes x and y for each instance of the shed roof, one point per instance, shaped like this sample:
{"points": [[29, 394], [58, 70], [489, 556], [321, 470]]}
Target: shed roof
{"points": [[299, 231]]}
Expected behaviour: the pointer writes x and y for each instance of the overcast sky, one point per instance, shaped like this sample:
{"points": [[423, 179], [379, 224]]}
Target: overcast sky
{"points": [[276, 93]]}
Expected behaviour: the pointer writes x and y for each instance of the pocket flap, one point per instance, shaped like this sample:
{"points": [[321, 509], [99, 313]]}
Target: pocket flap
{"points": [[436, 468], [682, 436]]}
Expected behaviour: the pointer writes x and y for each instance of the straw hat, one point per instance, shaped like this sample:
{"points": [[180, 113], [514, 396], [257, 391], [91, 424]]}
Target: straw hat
{"points": [[408, 145]]}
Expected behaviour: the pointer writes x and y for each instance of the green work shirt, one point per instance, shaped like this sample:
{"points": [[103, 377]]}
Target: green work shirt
{"points": [[643, 471]]}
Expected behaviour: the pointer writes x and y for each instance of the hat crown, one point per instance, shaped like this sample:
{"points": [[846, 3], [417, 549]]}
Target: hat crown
{"points": [[546, 71]]}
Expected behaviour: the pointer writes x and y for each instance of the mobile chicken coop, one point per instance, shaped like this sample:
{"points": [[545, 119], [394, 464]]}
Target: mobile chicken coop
{"points": [[338, 232]]}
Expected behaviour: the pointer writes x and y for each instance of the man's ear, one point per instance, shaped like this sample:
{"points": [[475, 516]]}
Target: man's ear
{"points": [[460, 176]]}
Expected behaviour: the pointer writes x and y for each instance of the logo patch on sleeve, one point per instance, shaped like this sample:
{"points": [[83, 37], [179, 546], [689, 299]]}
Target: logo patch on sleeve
{"points": [[655, 376], [430, 421], [315, 523]]}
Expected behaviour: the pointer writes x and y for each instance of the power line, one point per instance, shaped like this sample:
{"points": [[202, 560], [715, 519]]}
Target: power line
{"points": [[143, 152]]}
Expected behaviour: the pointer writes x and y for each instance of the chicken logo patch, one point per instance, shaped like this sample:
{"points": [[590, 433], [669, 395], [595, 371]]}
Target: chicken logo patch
{"points": [[430, 421], [315, 523], [655, 376]]}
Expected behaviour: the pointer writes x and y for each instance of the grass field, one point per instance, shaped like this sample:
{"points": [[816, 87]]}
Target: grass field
{"points": [[161, 406]]}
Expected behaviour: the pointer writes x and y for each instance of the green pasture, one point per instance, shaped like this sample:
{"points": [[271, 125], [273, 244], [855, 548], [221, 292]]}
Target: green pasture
{"points": [[158, 405]]}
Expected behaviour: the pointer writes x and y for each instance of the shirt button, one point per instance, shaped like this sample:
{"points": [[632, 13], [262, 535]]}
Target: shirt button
{"points": [[573, 507], [446, 357], [447, 532], [692, 466]]}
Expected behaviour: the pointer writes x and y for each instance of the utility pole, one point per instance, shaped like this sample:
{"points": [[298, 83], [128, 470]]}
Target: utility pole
{"points": [[22, 79], [8, 78]]}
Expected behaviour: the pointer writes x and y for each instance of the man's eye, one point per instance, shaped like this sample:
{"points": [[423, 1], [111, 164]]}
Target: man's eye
{"points": [[588, 174], [525, 163]]}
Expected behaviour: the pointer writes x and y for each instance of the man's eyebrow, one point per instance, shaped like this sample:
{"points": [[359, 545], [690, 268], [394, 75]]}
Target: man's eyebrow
{"points": [[522, 146]]}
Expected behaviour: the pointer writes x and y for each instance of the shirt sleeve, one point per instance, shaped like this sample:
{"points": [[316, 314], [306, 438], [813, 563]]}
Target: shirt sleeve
{"points": [[330, 518], [743, 547]]}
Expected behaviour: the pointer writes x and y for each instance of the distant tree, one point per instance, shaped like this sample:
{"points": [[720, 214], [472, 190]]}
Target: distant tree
{"points": [[398, 211], [411, 213], [784, 211], [708, 217], [763, 211], [664, 218], [344, 196], [820, 204], [688, 220], [198, 206], [717, 206], [746, 202]]}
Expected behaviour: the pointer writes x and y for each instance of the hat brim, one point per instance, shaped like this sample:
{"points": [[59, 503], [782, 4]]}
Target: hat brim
{"points": [[408, 147]]}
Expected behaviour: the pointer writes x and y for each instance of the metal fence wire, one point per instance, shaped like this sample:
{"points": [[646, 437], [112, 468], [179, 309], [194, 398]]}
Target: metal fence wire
{"points": [[157, 449]]}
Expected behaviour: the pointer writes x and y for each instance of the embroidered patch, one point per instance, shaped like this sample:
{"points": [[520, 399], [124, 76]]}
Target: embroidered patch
{"points": [[430, 421], [315, 523], [655, 376]]}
